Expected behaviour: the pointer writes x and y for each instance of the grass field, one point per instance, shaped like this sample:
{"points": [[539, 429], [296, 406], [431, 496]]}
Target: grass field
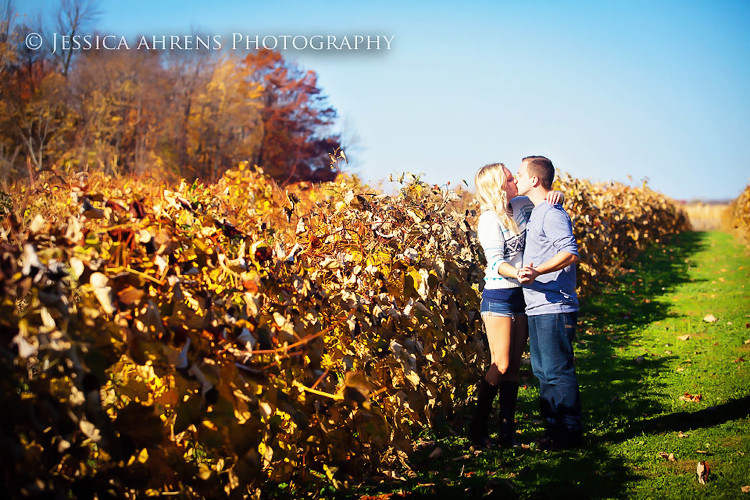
{"points": [[662, 389]]}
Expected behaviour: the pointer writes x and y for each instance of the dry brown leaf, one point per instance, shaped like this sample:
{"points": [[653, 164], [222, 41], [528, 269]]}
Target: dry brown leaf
{"points": [[102, 291], [37, 224], [710, 318], [684, 337], [666, 456], [689, 397], [702, 470], [682, 435], [745, 489], [130, 295]]}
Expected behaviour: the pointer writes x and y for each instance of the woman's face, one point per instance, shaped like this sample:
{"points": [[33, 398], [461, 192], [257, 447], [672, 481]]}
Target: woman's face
{"points": [[510, 184]]}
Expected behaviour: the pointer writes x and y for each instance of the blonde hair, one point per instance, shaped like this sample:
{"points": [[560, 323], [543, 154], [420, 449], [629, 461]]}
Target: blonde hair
{"points": [[489, 181]]}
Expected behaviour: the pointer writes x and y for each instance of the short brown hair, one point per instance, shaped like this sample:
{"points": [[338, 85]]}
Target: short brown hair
{"points": [[541, 167]]}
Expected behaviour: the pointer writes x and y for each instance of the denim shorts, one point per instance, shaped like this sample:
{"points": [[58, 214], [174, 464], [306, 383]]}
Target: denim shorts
{"points": [[505, 302]]}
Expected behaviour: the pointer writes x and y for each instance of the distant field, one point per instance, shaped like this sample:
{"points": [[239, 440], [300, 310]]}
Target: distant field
{"points": [[706, 216]]}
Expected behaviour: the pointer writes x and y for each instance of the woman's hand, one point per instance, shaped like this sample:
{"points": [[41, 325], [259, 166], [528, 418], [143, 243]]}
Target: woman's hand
{"points": [[527, 275], [555, 197]]}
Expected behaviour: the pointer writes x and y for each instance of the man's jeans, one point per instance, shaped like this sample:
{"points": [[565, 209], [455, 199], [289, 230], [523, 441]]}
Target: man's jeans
{"points": [[551, 345]]}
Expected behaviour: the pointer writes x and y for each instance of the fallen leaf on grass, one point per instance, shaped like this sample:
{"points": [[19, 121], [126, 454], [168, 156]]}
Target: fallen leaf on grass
{"points": [[739, 360], [689, 397], [682, 435], [702, 470], [667, 456], [702, 452], [747, 341], [684, 337], [710, 318], [745, 489]]}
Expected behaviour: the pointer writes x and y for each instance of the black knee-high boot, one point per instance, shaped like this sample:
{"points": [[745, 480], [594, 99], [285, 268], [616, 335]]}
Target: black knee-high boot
{"points": [[508, 398], [478, 430]]}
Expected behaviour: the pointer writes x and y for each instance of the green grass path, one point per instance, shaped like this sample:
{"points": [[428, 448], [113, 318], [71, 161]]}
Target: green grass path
{"points": [[642, 344]]}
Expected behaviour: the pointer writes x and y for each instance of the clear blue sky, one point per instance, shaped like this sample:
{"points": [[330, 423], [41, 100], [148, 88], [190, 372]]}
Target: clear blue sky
{"points": [[607, 90]]}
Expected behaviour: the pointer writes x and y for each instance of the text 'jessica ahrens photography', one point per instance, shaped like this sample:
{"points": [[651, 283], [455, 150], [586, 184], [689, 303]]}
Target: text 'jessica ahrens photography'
{"points": [[237, 41]]}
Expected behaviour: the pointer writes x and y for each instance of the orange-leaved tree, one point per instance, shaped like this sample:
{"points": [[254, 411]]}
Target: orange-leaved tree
{"points": [[296, 120]]}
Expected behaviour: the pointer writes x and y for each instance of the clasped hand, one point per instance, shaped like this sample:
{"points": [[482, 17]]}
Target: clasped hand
{"points": [[527, 274]]}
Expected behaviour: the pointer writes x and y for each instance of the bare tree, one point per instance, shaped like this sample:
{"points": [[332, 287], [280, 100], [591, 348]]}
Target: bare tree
{"points": [[7, 35], [73, 17]]}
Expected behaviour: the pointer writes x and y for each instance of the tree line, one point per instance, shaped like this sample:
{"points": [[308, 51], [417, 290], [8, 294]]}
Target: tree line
{"points": [[131, 112]]}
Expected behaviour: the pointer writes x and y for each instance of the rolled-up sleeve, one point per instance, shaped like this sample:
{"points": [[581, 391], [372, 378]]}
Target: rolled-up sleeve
{"points": [[559, 230]]}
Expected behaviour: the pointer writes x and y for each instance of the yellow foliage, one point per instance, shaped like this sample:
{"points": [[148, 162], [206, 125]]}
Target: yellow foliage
{"points": [[739, 214]]}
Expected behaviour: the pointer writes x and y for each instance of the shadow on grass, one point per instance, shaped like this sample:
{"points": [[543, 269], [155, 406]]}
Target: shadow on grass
{"points": [[685, 421], [612, 386]]}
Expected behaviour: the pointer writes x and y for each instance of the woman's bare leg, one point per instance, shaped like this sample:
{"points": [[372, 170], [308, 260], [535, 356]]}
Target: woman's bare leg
{"points": [[499, 337]]}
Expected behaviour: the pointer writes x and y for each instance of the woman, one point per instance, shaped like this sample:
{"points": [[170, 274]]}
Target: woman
{"points": [[501, 232]]}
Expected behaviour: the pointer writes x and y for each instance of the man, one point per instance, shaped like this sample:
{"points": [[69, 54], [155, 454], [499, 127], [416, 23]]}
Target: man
{"points": [[549, 286]]}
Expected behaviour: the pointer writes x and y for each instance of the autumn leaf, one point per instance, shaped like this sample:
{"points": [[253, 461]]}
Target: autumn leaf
{"points": [[710, 318], [356, 387], [102, 291], [703, 470], [689, 397], [129, 295]]}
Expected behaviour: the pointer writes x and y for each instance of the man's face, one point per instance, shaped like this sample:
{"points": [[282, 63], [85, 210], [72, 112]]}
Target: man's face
{"points": [[523, 182], [510, 184]]}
